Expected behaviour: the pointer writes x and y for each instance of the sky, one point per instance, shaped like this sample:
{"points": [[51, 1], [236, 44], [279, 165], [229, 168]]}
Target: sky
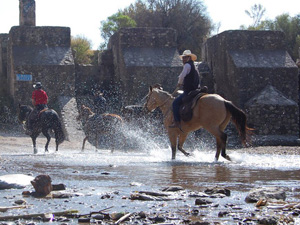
{"points": [[84, 17]]}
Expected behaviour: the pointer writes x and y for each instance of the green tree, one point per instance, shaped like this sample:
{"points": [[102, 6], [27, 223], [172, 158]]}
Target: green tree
{"points": [[113, 24], [290, 26], [82, 50], [188, 17]]}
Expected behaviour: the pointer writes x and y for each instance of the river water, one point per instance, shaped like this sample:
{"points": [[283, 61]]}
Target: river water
{"points": [[148, 167]]}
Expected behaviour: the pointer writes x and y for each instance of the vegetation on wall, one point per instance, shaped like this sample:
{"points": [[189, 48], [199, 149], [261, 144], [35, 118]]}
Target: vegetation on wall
{"points": [[82, 50], [285, 23]]}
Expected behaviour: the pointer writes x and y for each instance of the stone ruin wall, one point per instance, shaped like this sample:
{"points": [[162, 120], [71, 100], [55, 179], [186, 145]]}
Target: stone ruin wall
{"points": [[139, 57], [243, 64], [3, 64], [135, 59], [143, 57], [45, 53]]}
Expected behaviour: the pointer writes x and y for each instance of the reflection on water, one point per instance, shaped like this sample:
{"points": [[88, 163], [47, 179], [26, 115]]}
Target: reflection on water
{"points": [[154, 167], [97, 173]]}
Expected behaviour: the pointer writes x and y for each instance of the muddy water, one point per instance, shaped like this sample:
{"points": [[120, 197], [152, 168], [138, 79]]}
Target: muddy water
{"points": [[92, 175]]}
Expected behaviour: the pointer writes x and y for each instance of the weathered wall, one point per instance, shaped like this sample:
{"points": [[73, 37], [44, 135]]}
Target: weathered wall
{"points": [[44, 53], [3, 63], [244, 63], [27, 12], [143, 57]]}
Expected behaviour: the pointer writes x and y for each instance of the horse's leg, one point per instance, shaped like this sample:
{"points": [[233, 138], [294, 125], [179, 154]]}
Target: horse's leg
{"points": [[181, 140], [33, 138], [97, 141], [46, 134], [113, 139], [221, 139], [83, 143], [223, 152], [173, 142], [224, 136]]}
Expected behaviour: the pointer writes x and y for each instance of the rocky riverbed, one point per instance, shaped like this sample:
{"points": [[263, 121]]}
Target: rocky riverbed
{"points": [[145, 187]]}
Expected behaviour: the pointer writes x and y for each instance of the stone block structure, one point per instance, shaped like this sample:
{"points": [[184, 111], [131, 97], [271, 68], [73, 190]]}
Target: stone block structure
{"points": [[243, 63], [3, 64], [27, 12], [142, 57], [40, 54], [273, 113]]}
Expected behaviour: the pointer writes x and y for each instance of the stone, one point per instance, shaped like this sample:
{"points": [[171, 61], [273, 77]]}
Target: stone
{"points": [[266, 193], [42, 185]]}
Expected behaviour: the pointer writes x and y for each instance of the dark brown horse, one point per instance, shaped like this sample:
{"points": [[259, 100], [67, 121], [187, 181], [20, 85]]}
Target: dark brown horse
{"points": [[95, 125], [47, 120], [212, 112]]}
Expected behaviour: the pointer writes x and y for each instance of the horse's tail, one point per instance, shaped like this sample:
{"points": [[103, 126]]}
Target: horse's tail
{"points": [[58, 131], [239, 119]]}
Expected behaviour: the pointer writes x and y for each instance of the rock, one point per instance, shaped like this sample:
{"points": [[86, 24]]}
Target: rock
{"points": [[173, 188], [117, 216], [158, 219], [42, 185], [202, 201], [145, 197], [20, 202], [15, 181], [268, 220], [217, 190], [58, 187], [154, 193], [265, 193]]}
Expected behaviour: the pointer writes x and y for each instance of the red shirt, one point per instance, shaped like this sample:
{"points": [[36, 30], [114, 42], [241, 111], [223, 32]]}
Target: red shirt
{"points": [[40, 97]]}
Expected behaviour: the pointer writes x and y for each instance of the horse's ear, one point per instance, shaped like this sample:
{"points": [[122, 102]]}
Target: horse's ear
{"points": [[150, 88], [158, 86]]}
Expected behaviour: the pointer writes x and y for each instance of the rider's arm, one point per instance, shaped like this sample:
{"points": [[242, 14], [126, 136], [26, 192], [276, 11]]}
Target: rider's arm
{"points": [[186, 70], [178, 87], [33, 98]]}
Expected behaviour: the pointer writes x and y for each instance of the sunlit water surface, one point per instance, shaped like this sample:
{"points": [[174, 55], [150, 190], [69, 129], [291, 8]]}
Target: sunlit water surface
{"points": [[95, 174]]}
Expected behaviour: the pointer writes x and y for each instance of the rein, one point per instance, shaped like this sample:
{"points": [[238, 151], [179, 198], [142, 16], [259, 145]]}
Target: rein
{"points": [[161, 105]]}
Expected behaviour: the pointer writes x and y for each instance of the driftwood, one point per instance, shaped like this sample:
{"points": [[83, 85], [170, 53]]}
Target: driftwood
{"points": [[4, 209], [38, 215], [123, 218]]}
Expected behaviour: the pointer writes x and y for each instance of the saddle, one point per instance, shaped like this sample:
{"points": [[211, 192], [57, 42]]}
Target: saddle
{"points": [[189, 102], [41, 111]]}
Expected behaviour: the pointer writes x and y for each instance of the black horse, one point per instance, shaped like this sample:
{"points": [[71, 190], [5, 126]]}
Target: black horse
{"points": [[47, 120]]}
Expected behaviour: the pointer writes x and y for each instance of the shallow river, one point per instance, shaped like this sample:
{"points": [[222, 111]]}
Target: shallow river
{"points": [[94, 174]]}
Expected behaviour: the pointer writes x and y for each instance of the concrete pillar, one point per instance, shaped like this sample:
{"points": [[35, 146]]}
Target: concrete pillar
{"points": [[27, 12]]}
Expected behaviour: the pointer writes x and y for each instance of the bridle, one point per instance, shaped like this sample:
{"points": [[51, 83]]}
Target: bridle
{"points": [[148, 96]]}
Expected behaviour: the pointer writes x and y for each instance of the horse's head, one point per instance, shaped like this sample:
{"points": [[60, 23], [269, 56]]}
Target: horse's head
{"points": [[84, 113], [23, 112], [154, 97]]}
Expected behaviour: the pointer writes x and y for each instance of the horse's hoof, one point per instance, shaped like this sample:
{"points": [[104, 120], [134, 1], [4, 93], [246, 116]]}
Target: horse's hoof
{"points": [[35, 151]]}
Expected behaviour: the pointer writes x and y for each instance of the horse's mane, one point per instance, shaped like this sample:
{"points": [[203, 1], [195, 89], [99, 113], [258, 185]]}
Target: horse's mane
{"points": [[88, 109], [163, 92]]}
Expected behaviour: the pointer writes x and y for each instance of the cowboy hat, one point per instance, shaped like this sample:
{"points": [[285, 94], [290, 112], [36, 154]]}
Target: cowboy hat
{"points": [[188, 53]]}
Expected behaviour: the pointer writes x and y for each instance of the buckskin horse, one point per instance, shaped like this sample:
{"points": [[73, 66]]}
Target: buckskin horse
{"points": [[47, 120], [98, 124], [211, 112]]}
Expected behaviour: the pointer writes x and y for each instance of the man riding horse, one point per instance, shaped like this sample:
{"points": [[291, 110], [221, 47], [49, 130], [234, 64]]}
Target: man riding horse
{"points": [[39, 101], [188, 80]]}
